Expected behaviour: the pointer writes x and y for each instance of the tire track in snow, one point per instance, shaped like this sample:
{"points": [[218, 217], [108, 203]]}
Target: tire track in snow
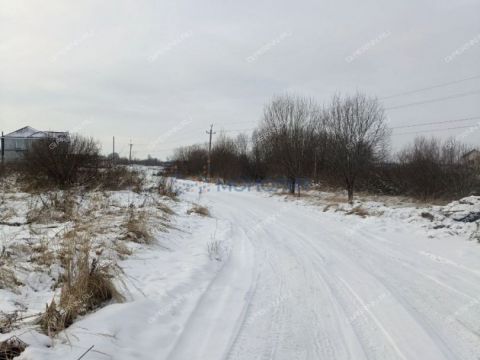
{"points": [[362, 328], [338, 241], [388, 336], [427, 324], [337, 275], [327, 349], [325, 345]]}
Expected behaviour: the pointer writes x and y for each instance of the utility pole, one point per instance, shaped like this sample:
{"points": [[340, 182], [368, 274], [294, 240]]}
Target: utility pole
{"points": [[130, 156], [209, 132], [3, 148], [113, 151]]}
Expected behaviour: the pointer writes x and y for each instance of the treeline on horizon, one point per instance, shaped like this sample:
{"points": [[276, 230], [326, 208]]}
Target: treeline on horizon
{"points": [[342, 145]]}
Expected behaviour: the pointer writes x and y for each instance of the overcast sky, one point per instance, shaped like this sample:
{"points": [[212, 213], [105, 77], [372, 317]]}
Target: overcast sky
{"points": [[159, 72]]}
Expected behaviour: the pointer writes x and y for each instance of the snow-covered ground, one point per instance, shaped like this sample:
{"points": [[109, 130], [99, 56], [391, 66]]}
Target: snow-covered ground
{"points": [[288, 279]]}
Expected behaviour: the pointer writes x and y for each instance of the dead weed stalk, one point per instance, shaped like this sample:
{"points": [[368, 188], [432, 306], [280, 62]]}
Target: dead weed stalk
{"points": [[87, 284]]}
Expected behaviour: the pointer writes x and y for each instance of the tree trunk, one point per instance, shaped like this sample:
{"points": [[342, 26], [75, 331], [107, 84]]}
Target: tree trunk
{"points": [[292, 186], [350, 193]]}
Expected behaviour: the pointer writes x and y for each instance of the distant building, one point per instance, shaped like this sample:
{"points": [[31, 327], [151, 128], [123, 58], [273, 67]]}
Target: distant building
{"points": [[17, 142], [472, 158]]}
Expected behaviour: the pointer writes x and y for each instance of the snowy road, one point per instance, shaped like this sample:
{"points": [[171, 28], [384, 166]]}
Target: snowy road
{"points": [[295, 282], [303, 284]]}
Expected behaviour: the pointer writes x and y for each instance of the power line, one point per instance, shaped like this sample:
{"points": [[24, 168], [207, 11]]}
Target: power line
{"points": [[192, 130], [433, 130], [435, 123], [434, 100], [210, 133], [234, 130], [179, 144], [242, 122], [181, 138], [429, 88]]}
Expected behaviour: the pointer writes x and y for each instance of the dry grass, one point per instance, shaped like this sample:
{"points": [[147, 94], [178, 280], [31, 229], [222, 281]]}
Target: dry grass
{"points": [[136, 227], [11, 348], [88, 279], [7, 214], [199, 209], [122, 250], [336, 198], [98, 201], [42, 254], [118, 178], [359, 211], [214, 250], [166, 209], [8, 321], [8, 280], [52, 207], [166, 187], [476, 233], [329, 206], [12, 321], [86, 286], [400, 200]]}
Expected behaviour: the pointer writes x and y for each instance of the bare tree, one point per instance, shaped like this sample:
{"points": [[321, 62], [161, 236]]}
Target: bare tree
{"points": [[241, 143], [357, 136], [225, 159], [287, 132], [191, 160], [321, 151], [257, 157], [243, 148]]}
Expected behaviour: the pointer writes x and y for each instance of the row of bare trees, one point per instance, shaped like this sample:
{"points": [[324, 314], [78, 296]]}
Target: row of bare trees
{"points": [[340, 141], [299, 139], [343, 144]]}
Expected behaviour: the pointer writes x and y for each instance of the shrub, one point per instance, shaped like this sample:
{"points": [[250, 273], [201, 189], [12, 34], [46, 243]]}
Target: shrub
{"points": [[433, 169], [67, 163], [428, 169], [230, 159]]}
